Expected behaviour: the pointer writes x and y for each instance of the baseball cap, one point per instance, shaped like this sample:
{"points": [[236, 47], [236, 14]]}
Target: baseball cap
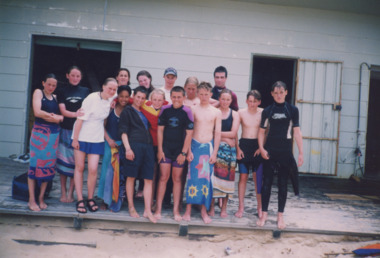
{"points": [[170, 70]]}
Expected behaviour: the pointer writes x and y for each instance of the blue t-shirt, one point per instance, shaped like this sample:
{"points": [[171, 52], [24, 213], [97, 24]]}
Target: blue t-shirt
{"points": [[112, 126]]}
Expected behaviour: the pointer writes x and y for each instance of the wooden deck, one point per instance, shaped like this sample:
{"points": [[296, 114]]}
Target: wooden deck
{"points": [[326, 206]]}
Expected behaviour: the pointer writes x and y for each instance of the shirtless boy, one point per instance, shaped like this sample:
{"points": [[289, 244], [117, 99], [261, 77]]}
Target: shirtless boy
{"points": [[278, 118], [248, 154], [175, 129], [202, 155], [136, 154]]}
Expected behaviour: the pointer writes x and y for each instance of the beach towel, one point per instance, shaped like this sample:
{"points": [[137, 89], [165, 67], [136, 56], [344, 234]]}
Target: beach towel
{"points": [[199, 186], [111, 175], [223, 179], [65, 154], [43, 152]]}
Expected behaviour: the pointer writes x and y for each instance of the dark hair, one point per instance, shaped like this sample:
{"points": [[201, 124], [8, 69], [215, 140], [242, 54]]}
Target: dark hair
{"points": [[279, 84], [147, 74], [205, 85], [141, 89], [220, 69], [129, 74], [178, 89], [226, 91], [254, 93], [124, 88], [72, 68], [49, 76]]}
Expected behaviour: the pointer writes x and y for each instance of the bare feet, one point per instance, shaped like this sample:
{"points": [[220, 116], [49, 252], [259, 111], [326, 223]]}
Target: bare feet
{"points": [[259, 213], [177, 216], [70, 199], [239, 213], [43, 205], [262, 220], [150, 216], [211, 213], [223, 214], [33, 206], [280, 221], [133, 213], [157, 215], [103, 206], [186, 216], [205, 217], [63, 199]]}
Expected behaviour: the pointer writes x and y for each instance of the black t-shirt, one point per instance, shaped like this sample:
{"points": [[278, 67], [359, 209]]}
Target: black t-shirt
{"points": [[280, 118], [176, 122], [72, 97]]}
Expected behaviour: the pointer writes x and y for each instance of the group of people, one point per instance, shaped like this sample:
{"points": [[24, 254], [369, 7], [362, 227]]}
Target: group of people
{"points": [[186, 136]]}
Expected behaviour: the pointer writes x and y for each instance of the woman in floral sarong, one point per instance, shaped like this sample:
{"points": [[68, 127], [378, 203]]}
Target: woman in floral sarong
{"points": [[43, 141], [223, 179]]}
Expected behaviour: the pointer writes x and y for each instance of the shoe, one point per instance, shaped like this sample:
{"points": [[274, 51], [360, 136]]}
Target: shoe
{"points": [[24, 158], [91, 207], [84, 210]]}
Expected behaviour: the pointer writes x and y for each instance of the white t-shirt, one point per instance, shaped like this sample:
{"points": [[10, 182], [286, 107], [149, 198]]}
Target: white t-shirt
{"points": [[95, 111], [167, 95]]}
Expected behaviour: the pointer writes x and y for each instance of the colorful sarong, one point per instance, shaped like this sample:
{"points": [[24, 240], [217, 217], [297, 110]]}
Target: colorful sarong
{"points": [[43, 152], [111, 179], [65, 154], [199, 185], [223, 179]]}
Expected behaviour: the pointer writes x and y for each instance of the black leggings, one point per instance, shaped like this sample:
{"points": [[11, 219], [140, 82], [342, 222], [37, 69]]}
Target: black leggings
{"points": [[281, 162]]}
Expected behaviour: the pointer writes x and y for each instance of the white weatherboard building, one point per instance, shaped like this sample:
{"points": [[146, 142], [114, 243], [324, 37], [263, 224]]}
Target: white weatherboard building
{"points": [[326, 51]]}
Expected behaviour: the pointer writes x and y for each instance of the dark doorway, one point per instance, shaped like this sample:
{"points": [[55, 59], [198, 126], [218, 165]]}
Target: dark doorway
{"points": [[372, 161], [97, 60], [267, 70]]}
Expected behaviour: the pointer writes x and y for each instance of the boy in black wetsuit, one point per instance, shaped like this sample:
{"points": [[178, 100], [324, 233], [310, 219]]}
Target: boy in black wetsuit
{"points": [[281, 117], [175, 130]]}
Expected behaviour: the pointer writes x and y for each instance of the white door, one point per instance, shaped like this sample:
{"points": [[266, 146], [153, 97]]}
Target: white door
{"points": [[318, 98]]}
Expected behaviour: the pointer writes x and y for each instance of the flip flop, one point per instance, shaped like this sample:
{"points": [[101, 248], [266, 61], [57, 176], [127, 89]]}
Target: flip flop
{"points": [[80, 207], [92, 207]]}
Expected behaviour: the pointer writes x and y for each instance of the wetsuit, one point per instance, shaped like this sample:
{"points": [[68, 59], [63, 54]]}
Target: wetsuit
{"points": [[280, 118]]}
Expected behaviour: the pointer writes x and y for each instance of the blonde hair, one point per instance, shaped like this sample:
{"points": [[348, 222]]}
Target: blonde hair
{"points": [[193, 80], [157, 91]]}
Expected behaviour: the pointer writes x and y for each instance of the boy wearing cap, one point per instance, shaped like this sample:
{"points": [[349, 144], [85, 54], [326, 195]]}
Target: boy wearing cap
{"points": [[170, 76]]}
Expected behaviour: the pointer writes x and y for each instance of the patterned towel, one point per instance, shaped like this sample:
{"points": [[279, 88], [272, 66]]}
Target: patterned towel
{"points": [[199, 185]]}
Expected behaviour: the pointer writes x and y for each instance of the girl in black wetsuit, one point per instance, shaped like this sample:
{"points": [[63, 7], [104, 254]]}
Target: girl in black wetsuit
{"points": [[280, 117]]}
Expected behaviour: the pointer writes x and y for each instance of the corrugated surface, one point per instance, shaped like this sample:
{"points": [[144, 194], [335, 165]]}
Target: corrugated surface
{"points": [[318, 93]]}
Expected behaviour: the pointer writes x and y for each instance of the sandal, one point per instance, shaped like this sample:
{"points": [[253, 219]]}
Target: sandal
{"points": [[92, 207], [84, 210]]}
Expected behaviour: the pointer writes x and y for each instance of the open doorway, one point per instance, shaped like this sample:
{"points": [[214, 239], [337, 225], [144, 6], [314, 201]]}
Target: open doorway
{"points": [[267, 70], [97, 60], [372, 161]]}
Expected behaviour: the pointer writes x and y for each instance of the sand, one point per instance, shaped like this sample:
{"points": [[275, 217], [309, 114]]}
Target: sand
{"points": [[117, 239]]}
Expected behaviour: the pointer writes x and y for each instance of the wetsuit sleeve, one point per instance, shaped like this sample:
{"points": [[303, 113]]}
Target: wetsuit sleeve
{"points": [[264, 119], [61, 96], [190, 119], [162, 117], [295, 116]]}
